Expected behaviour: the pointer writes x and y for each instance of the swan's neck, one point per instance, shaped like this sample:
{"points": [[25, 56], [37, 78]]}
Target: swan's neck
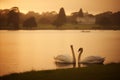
{"points": [[74, 59], [79, 57]]}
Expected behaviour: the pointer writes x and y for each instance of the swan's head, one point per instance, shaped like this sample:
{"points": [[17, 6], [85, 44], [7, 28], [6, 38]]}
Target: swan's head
{"points": [[80, 50]]}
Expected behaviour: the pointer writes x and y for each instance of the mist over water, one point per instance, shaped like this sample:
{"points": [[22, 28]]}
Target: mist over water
{"points": [[35, 49]]}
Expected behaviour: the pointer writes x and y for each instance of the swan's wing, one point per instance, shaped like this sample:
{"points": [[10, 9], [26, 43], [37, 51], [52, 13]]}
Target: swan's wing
{"points": [[63, 58], [60, 57], [93, 59]]}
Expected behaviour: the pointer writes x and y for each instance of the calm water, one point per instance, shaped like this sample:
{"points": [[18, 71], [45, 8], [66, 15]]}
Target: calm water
{"points": [[34, 50]]}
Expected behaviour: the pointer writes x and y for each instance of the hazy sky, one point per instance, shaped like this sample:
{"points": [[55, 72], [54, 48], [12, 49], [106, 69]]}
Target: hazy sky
{"points": [[91, 6]]}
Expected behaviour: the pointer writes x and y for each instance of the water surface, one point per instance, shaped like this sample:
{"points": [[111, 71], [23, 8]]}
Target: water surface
{"points": [[35, 49]]}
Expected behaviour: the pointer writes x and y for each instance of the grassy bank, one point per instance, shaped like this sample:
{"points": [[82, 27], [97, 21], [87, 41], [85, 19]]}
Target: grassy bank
{"points": [[98, 72], [64, 27], [69, 27]]}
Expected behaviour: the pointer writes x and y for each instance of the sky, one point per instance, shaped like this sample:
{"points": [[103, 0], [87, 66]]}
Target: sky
{"points": [[91, 6]]}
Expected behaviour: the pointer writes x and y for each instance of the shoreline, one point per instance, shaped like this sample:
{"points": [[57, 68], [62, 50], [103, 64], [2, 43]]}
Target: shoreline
{"points": [[64, 27], [97, 72]]}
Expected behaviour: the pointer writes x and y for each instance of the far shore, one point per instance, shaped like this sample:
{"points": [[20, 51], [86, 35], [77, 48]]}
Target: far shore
{"points": [[65, 27]]}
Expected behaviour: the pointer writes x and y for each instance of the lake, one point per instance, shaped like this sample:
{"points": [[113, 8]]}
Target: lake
{"points": [[25, 50]]}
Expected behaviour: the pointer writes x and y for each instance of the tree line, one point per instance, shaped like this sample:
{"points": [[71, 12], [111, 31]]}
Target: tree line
{"points": [[109, 20], [14, 19]]}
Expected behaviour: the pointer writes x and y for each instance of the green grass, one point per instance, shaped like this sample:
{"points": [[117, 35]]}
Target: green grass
{"points": [[97, 72]]}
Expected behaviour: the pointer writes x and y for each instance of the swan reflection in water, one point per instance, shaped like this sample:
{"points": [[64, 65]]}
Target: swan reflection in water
{"points": [[67, 60]]}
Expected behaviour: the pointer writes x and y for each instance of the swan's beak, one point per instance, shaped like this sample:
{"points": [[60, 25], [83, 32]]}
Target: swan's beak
{"points": [[78, 50]]}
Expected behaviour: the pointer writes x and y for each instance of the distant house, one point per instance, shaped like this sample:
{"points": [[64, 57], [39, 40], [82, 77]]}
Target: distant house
{"points": [[86, 19]]}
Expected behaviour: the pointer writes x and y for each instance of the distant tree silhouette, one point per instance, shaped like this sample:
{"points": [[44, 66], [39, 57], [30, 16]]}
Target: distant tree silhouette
{"points": [[116, 18], [30, 22], [80, 13], [109, 20], [22, 17], [34, 14], [47, 17], [104, 19], [61, 18], [13, 18], [44, 20], [3, 18]]}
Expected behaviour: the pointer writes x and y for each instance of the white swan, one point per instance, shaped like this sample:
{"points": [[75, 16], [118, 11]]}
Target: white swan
{"points": [[89, 59], [66, 59]]}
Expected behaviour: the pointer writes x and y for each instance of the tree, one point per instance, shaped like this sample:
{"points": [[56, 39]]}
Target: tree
{"points": [[80, 13], [104, 19], [61, 18], [47, 17], [34, 14], [116, 18], [44, 20], [109, 20], [3, 18], [13, 18], [30, 22]]}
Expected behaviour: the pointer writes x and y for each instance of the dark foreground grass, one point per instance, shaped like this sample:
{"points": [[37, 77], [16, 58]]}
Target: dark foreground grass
{"points": [[98, 72]]}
